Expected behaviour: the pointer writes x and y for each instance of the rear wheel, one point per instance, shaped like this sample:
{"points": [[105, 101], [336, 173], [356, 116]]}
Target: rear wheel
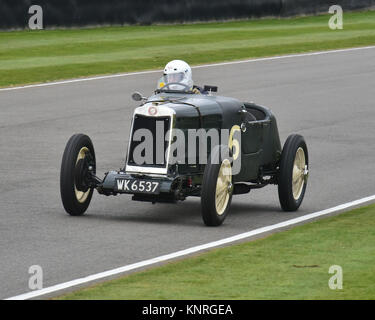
{"points": [[77, 161], [293, 173], [217, 189]]}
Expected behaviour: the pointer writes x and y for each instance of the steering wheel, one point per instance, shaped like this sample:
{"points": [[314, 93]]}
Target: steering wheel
{"points": [[186, 87]]}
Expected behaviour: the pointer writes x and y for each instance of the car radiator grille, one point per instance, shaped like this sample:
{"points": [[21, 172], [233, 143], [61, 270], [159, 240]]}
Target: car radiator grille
{"points": [[158, 126]]}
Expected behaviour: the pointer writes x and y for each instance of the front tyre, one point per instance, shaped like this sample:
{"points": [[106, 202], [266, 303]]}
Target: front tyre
{"points": [[217, 189], [78, 159], [293, 173]]}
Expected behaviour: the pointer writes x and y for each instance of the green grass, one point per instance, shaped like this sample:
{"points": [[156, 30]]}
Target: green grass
{"points": [[45, 55], [292, 264]]}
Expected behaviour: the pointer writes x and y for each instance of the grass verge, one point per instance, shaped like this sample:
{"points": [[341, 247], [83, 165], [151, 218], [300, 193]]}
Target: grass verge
{"points": [[292, 264], [45, 55]]}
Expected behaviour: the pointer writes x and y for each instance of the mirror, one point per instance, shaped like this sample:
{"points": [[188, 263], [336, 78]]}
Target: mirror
{"points": [[136, 96]]}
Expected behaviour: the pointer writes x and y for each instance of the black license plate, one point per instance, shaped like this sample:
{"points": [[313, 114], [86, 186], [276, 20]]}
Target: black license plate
{"points": [[137, 186]]}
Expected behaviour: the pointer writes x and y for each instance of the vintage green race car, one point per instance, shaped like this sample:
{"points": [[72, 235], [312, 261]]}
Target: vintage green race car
{"points": [[245, 154]]}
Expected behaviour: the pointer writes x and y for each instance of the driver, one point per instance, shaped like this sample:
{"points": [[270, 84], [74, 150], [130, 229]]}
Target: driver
{"points": [[178, 71]]}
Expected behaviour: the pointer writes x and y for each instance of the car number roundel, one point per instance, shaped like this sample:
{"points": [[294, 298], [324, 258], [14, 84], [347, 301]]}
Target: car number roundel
{"points": [[152, 111]]}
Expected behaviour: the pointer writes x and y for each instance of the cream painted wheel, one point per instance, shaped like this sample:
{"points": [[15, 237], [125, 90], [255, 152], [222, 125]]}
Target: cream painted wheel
{"points": [[217, 189], [80, 195], [223, 187], [299, 168], [78, 157], [293, 173]]}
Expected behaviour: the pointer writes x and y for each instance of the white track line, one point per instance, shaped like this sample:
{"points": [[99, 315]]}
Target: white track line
{"points": [[195, 67], [105, 274]]}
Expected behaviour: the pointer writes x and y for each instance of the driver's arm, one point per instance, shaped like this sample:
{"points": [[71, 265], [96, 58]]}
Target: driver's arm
{"points": [[198, 90]]}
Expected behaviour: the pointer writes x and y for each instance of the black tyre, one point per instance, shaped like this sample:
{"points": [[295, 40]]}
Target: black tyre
{"points": [[78, 156], [217, 189], [293, 173]]}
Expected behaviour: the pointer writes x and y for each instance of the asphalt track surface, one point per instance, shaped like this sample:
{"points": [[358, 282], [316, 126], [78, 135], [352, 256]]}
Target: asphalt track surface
{"points": [[328, 98]]}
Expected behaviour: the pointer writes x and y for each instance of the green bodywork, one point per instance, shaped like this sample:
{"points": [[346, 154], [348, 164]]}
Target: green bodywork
{"points": [[260, 142]]}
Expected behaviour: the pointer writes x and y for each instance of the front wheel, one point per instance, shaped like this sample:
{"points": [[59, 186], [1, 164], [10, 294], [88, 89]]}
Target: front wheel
{"points": [[293, 173], [77, 161], [217, 189]]}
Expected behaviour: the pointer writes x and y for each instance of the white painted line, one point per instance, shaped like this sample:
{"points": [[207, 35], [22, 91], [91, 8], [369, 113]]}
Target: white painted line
{"points": [[105, 274], [117, 75]]}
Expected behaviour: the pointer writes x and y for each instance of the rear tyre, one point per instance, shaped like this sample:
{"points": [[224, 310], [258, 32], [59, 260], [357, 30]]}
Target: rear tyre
{"points": [[293, 173], [75, 191], [217, 189]]}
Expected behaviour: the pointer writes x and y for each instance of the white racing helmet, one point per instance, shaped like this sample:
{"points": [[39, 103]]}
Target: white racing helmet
{"points": [[176, 71]]}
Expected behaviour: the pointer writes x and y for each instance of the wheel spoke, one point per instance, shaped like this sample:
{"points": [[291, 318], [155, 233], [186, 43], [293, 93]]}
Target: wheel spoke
{"points": [[80, 195], [220, 192], [222, 199], [223, 181], [298, 173]]}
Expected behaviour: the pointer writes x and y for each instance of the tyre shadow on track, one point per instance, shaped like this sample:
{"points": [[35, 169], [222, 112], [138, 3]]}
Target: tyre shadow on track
{"points": [[186, 213]]}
